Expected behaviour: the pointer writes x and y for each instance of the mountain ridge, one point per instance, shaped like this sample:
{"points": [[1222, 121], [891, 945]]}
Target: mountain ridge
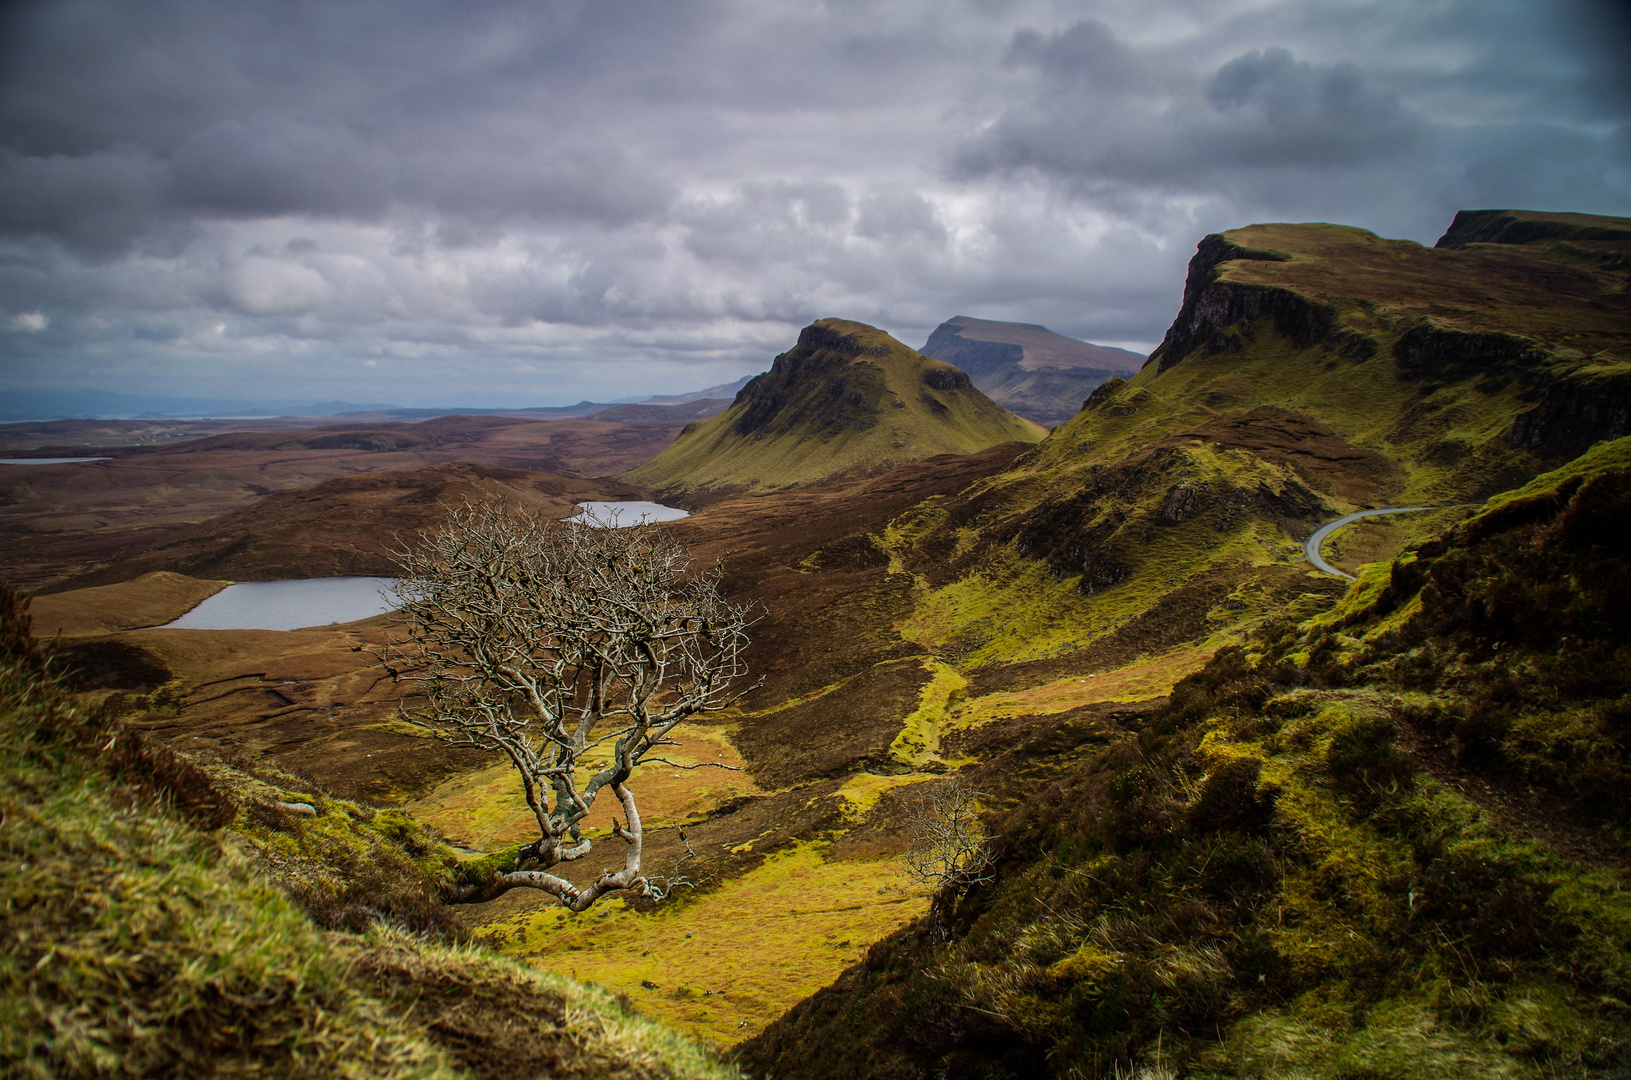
{"points": [[1027, 368], [846, 400]]}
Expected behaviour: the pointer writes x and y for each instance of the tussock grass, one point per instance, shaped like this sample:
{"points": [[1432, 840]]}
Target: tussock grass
{"points": [[718, 964], [143, 936], [137, 944], [1292, 871]]}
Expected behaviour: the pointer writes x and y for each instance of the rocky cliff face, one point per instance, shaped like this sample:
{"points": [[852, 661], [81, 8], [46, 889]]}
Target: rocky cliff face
{"points": [[978, 358], [1211, 306], [1530, 308], [846, 400], [1026, 368]]}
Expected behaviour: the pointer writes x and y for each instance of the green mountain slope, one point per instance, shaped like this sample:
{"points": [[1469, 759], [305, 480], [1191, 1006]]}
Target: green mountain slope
{"points": [[847, 401], [1384, 841], [1028, 369], [1312, 370]]}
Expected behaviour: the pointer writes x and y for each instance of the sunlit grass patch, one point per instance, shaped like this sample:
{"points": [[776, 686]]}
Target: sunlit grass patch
{"points": [[484, 809], [919, 738], [1139, 681], [862, 791], [724, 964]]}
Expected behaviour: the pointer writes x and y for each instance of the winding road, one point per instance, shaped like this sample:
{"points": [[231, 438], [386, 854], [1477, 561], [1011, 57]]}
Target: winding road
{"points": [[1315, 542]]}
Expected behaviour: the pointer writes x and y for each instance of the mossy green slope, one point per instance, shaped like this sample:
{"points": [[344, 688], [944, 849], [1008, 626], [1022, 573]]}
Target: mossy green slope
{"points": [[146, 933], [1375, 843], [847, 401], [1312, 370]]}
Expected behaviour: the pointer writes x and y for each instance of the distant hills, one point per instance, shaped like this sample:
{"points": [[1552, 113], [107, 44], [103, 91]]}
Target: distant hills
{"points": [[68, 404], [695, 409], [18, 405], [847, 400], [1028, 369], [723, 390]]}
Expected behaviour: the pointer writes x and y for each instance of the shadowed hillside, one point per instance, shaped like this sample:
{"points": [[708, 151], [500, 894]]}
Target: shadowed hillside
{"points": [[1378, 842], [1028, 369], [847, 401], [1312, 370]]}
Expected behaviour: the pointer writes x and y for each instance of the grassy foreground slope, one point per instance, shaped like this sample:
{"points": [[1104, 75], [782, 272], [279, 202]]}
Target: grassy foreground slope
{"points": [[1378, 842], [146, 932], [847, 401]]}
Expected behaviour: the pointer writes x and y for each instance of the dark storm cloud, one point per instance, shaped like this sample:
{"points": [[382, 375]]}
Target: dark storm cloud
{"points": [[569, 198], [1513, 110], [117, 118], [1262, 111]]}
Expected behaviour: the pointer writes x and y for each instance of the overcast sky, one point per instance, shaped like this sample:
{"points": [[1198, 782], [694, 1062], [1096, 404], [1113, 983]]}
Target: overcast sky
{"points": [[490, 203]]}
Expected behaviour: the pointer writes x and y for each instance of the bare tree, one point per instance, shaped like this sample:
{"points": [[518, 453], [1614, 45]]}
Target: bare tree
{"points": [[951, 850], [550, 641]]}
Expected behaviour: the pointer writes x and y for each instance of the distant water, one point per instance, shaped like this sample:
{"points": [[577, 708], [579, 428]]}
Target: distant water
{"points": [[48, 460], [621, 514], [290, 605]]}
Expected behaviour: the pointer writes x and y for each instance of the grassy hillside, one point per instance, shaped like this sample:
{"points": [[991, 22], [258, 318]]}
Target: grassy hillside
{"points": [[1014, 616], [1313, 370], [1380, 841], [147, 932], [847, 401]]}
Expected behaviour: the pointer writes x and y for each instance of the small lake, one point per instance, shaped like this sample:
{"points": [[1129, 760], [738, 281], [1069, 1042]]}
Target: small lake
{"points": [[622, 514], [49, 460], [290, 605]]}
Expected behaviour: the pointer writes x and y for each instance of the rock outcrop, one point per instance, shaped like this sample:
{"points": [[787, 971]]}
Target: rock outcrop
{"points": [[847, 401], [1028, 369], [1530, 308]]}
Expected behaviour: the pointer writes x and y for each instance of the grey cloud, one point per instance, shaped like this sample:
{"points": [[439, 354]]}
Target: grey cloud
{"points": [[1267, 133], [1262, 110], [467, 193], [1282, 111], [99, 202], [1087, 54], [900, 217], [767, 222], [269, 168], [599, 184]]}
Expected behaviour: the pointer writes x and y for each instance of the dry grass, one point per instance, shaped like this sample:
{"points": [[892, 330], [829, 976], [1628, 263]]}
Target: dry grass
{"points": [[140, 944], [722, 965]]}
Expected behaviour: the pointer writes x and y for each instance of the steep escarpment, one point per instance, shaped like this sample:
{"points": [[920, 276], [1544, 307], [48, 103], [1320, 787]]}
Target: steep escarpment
{"points": [[1028, 369], [1312, 370], [847, 400], [1367, 844], [1530, 309], [1589, 232]]}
